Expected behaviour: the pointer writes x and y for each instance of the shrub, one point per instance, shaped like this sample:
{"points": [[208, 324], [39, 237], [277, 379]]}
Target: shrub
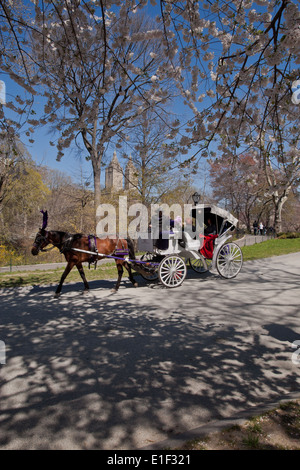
{"points": [[6, 255], [285, 235]]}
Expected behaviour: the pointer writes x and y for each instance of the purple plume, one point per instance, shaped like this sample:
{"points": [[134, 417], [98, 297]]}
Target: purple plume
{"points": [[45, 219]]}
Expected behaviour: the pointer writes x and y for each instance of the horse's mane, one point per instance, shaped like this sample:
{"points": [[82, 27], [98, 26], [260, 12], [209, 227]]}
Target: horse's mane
{"points": [[62, 234]]}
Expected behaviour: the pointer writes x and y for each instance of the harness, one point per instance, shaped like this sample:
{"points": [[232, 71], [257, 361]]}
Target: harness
{"points": [[66, 244], [93, 247], [117, 253], [120, 251], [42, 238]]}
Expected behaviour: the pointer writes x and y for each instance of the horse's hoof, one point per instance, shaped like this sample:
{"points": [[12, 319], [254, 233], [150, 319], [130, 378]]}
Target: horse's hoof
{"points": [[114, 290], [135, 284], [86, 291], [56, 295]]}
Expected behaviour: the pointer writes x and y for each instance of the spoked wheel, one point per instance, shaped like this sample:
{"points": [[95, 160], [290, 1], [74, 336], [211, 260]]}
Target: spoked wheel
{"points": [[199, 265], [229, 260], [172, 271], [150, 275]]}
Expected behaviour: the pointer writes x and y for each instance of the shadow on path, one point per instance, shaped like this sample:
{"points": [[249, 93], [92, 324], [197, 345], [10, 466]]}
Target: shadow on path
{"points": [[103, 371]]}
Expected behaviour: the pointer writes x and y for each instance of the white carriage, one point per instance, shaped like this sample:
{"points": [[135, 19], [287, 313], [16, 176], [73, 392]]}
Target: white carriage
{"points": [[169, 264]]}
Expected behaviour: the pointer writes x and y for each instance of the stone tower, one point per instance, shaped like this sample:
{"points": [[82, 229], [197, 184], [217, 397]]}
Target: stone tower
{"points": [[130, 175], [114, 175]]}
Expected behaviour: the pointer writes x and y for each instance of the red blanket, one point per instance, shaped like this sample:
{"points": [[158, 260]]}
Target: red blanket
{"points": [[208, 246]]}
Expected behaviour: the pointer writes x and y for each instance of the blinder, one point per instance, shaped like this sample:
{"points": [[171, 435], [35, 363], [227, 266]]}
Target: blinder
{"points": [[41, 238]]}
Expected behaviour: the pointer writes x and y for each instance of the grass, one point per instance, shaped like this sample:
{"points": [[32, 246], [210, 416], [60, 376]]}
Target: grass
{"points": [[45, 277], [265, 249], [274, 247], [277, 429]]}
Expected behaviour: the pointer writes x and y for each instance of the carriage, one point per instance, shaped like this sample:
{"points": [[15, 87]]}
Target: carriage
{"points": [[167, 262], [201, 252]]}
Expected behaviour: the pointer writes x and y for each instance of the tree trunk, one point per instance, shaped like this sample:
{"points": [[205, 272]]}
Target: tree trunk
{"points": [[278, 205], [1, 220], [25, 225], [277, 217], [97, 191]]}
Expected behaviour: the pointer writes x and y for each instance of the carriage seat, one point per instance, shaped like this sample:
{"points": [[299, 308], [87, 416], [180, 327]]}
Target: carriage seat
{"points": [[190, 243]]}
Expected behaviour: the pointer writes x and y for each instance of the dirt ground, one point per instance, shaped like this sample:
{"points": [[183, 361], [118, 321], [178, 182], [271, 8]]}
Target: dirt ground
{"points": [[278, 429]]}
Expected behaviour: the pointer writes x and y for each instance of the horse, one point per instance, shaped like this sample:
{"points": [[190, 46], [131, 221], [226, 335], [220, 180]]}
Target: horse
{"points": [[106, 247]]}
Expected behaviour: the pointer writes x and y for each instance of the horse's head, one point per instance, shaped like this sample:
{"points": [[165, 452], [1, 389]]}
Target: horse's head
{"points": [[41, 239], [40, 242]]}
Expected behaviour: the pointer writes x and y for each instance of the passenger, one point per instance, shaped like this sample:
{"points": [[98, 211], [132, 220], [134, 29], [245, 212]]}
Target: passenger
{"points": [[178, 222], [210, 228]]}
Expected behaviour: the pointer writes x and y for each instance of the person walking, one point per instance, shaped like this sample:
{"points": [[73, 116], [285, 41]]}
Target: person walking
{"points": [[261, 228], [255, 227]]}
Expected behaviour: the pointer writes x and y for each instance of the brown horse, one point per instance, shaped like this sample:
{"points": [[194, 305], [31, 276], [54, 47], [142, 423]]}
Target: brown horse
{"points": [[65, 242]]}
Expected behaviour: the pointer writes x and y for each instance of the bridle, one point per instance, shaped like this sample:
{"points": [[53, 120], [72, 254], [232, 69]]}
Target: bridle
{"points": [[39, 239]]}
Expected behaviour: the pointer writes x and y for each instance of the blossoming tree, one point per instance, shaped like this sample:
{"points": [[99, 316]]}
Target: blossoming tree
{"points": [[252, 51], [98, 68], [233, 62]]}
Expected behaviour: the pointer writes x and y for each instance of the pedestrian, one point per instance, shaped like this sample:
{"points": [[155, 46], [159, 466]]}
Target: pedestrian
{"points": [[261, 228], [255, 227]]}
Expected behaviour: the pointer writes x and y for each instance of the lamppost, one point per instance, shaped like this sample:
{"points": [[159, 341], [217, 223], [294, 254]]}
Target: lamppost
{"points": [[196, 198]]}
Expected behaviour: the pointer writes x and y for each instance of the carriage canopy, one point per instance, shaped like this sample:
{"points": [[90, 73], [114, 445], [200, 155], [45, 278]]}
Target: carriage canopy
{"points": [[222, 218]]}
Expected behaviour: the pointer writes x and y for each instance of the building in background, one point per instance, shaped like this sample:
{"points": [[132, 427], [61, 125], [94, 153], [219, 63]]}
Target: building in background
{"points": [[119, 179]]}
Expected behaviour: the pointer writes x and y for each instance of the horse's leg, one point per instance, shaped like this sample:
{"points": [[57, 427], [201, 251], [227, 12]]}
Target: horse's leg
{"points": [[131, 278], [69, 267], [82, 274], [120, 274]]}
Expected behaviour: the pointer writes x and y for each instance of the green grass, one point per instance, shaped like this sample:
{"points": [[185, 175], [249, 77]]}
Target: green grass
{"points": [[251, 441], [274, 247]]}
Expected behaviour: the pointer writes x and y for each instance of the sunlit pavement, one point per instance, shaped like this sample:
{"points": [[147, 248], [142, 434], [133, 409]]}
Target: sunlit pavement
{"points": [[126, 370]]}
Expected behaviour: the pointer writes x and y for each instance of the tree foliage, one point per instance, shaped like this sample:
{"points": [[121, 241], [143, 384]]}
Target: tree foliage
{"points": [[103, 62], [240, 184], [12, 156]]}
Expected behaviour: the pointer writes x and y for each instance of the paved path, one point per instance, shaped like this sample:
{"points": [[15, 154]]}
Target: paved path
{"points": [[44, 266], [125, 371]]}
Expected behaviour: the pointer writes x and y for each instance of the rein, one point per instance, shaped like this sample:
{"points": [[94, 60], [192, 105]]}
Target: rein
{"points": [[43, 250], [114, 257], [43, 238]]}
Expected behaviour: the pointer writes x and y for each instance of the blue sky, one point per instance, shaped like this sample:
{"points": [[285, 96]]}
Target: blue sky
{"points": [[41, 150], [73, 162]]}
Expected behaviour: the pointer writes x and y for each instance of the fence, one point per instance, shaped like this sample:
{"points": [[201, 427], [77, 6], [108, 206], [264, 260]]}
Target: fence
{"points": [[248, 240]]}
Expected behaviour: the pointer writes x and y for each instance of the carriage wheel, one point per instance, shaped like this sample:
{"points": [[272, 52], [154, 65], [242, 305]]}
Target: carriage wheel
{"points": [[172, 271], [229, 260], [151, 275], [200, 266]]}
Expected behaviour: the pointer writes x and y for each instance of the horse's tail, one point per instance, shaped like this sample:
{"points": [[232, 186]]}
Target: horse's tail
{"points": [[130, 248]]}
